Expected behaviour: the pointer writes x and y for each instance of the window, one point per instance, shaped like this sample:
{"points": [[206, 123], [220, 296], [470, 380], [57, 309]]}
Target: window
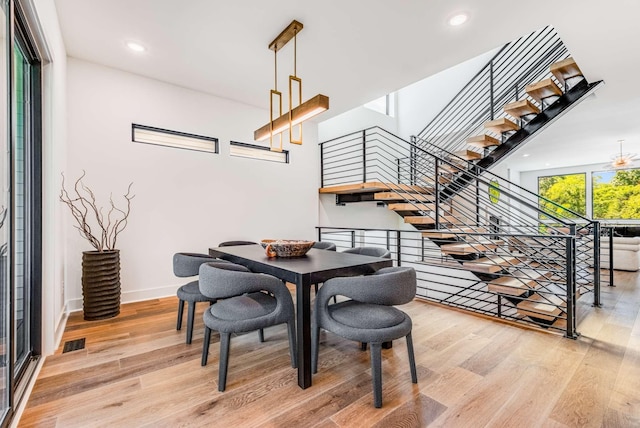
{"points": [[568, 190], [166, 137], [385, 105], [252, 151], [616, 194]]}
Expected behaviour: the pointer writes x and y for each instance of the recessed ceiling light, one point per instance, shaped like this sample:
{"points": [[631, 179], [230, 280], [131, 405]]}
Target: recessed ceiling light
{"points": [[136, 47], [547, 164], [458, 19], [526, 155]]}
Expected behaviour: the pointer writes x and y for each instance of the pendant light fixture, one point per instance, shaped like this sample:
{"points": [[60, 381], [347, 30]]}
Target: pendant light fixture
{"points": [[296, 114], [622, 160]]}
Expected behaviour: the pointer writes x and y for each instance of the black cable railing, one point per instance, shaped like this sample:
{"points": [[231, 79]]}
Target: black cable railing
{"points": [[550, 254], [502, 80]]}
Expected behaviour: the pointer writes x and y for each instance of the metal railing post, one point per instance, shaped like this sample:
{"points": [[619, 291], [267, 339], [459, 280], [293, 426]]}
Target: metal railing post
{"points": [[364, 156], [491, 100], [321, 164], [571, 283], [596, 264], [611, 284], [398, 248], [353, 239]]}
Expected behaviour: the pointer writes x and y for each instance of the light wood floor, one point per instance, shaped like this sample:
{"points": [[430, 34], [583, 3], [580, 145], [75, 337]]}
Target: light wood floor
{"points": [[472, 372]]}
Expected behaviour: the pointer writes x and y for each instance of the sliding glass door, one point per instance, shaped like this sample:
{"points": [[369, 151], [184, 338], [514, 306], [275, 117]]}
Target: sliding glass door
{"points": [[20, 208], [5, 49]]}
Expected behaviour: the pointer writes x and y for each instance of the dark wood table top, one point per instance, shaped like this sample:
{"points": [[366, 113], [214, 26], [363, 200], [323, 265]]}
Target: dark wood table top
{"points": [[318, 265]]}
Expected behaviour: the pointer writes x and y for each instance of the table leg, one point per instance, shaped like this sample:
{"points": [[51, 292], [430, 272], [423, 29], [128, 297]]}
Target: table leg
{"points": [[303, 331]]}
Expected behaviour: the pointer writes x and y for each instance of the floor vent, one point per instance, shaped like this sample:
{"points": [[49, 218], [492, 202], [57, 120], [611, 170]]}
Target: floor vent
{"points": [[73, 345]]}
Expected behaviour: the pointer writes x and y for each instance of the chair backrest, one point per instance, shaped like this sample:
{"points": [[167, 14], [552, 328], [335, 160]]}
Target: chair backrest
{"points": [[370, 251], [188, 264], [223, 280], [325, 246], [233, 243], [388, 286]]}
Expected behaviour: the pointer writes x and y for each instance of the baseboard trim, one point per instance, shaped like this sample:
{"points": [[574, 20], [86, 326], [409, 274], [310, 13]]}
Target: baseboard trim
{"points": [[75, 305]]}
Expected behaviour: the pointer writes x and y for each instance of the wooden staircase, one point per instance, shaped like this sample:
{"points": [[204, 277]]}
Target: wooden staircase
{"points": [[519, 113]]}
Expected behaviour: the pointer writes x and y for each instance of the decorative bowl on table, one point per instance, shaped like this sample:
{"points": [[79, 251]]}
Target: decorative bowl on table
{"points": [[286, 248]]}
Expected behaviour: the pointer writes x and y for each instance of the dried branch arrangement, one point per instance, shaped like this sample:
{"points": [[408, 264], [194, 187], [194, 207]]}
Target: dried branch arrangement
{"points": [[84, 208]]}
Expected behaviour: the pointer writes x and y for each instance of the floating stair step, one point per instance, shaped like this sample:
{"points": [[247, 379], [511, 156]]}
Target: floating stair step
{"points": [[469, 155], [501, 125], [410, 207], [466, 249], [374, 186], [521, 108], [441, 179], [483, 141], [547, 308], [512, 286], [452, 169], [491, 264], [543, 89], [565, 69], [437, 234], [399, 196], [408, 188], [419, 220]]}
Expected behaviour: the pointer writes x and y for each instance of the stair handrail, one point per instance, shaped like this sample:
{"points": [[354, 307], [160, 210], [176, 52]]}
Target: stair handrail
{"points": [[510, 183]]}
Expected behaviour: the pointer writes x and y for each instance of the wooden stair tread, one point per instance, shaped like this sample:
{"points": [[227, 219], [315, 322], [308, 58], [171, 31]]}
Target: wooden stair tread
{"points": [[491, 264], [400, 196], [419, 220], [483, 141], [373, 186], [436, 234], [501, 125], [565, 69], [451, 169], [521, 108], [405, 206], [468, 155], [543, 89], [547, 308], [466, 249]]}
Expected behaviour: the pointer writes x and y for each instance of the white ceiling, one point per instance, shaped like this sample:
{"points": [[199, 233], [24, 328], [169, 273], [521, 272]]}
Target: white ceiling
{"points": [[357, 50]]}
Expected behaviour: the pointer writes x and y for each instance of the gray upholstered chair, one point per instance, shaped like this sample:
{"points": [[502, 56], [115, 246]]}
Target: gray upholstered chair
{"points": [[244, 305], [186, 265], [369, 315], [370, 251], [324, 245]]}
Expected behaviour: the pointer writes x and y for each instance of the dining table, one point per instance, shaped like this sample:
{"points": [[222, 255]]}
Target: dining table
{"points": [[315, 267]]}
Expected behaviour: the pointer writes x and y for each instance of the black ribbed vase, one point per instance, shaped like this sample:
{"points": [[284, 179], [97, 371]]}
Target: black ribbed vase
{"points": [[101, 284]]}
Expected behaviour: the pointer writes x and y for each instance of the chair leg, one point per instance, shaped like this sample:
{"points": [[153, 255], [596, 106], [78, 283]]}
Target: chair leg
{"points": [[225, 341], [261, 335], [363, 346], [316, 288], [180, 312], [291, 326], [205, 346], [190, 315], [315, 344], [412, 359], [376, 373]]}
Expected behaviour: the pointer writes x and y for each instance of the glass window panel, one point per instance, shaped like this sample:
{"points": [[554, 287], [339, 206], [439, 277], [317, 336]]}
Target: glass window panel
{"points": [[616, 194]]}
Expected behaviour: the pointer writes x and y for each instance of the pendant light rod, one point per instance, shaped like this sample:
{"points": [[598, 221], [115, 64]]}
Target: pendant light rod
{"points": [[286, 35]]}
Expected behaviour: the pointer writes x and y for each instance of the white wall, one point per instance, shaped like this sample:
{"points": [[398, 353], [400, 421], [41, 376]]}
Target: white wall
{"points": [[353, 120], [185, 200], [419, 103]]}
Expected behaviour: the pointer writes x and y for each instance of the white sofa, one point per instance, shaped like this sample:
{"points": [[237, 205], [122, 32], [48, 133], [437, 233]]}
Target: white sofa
{"points": [[626, 253]]}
